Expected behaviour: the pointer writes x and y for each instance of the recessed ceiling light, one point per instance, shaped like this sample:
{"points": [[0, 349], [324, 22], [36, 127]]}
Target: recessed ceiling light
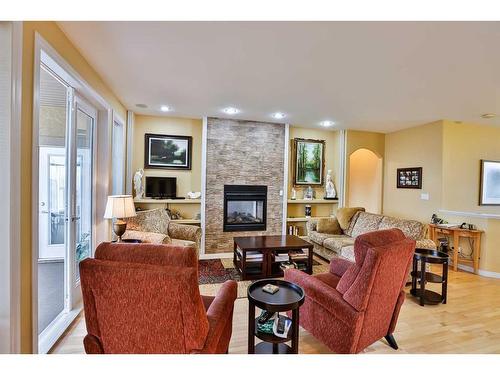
{"points": [[141, 106], [327, 123], [165, 108], [231, 110], [488, 115], [278, 115]]}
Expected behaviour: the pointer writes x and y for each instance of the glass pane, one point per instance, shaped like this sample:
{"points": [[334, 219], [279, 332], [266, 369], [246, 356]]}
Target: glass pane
{"points": [[52, 198], [85, 125], [242, 212], [57, 190]]}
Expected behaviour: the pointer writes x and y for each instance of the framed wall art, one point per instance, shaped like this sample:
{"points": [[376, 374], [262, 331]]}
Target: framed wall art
{"points": [[167, 151], [309, 161], [409, 178]]}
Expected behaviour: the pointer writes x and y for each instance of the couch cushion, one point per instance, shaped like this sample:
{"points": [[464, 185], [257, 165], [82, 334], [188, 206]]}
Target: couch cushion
{"points": [[329, 225], [411, 228], [319, 238], [345, 214], [147, 237], [347, 252], [336, 243], [156, 220], [177, 242], [426, 243], [366, 222]]}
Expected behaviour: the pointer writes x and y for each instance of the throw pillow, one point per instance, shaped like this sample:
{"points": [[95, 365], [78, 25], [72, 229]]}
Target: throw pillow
{"points": [[345, 214], [329, 225]]}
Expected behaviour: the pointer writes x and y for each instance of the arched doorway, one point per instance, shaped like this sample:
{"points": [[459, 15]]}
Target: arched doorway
{"points": [[365, 180]]}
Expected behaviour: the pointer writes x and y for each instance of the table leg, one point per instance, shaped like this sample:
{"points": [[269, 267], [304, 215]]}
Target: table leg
{"points": [[444, 289], [243, 264], [251, 328], [422, 281], [414, 276], [310, 260], [477, 251], [456, 244], [295, 331]]}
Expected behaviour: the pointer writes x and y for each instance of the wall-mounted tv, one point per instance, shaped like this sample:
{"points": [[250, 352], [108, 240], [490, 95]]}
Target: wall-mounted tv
{"points": [[161, 187]]}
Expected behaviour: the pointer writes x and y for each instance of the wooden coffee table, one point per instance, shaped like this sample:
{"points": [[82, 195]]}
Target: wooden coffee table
{"points": [[272, 249]]}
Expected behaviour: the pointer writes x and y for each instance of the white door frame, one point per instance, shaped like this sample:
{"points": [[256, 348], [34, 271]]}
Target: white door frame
{"points": [[102, 129], [117, 119]]}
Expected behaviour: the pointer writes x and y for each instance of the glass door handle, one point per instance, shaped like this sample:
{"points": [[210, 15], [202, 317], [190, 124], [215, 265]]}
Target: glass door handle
{"points": [[75, 218]]}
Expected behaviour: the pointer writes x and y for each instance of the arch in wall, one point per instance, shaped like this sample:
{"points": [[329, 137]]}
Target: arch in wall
{"points": [[365, 180]]}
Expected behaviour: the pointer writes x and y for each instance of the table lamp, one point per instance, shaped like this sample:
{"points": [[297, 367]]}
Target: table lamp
{"points": [[118, 208]]}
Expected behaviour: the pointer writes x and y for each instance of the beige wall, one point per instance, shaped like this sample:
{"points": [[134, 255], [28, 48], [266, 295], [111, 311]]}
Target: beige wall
{"points": [[56, 38], [415, 147], [187, 180], [365, 180], [356, 140], [332, 161], [450, 154]]}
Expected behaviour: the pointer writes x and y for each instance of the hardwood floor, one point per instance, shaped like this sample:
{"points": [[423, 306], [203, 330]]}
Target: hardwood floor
{"points": [[468, 323]]}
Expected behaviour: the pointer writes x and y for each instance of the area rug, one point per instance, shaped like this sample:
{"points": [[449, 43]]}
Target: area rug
{"points": [[213, 273]]}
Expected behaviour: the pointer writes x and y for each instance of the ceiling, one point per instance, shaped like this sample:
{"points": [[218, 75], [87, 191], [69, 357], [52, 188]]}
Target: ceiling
{"points": [[379, 76]]}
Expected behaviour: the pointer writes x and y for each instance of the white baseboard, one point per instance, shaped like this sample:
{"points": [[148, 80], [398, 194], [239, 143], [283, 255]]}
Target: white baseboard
{"points": [[495, 275], [216, 256]]}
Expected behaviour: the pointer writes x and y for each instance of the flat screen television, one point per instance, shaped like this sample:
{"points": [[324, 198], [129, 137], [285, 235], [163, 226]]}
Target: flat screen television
{"points": [[161, 187]]}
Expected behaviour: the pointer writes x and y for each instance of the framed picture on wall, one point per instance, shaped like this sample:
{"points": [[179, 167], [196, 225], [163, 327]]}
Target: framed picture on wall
{"points": [[409, 178], [167, 151], [309, 161], [489, 192]]}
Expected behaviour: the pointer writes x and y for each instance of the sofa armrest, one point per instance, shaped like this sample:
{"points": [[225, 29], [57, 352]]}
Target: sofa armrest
{"points": [[147, 237], [220, 316], [185, 232], [311, 225], [322, 294], [338, 266], [425, 243]]}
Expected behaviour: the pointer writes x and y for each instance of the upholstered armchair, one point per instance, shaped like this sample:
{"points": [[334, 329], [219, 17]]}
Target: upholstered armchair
{"points": [[155, 226], [144, 298], [357, 303]]}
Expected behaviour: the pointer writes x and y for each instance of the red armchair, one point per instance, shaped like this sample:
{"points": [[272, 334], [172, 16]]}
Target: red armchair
{"points": [[144, 298], [356, 304]]}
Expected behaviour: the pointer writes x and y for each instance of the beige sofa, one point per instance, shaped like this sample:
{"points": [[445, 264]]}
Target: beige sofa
{"points": [[155, 226], [332, 245]]}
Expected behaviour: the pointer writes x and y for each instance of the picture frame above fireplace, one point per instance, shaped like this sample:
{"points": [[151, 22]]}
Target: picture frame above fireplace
{"points": [[167, 151], [308, 162]]}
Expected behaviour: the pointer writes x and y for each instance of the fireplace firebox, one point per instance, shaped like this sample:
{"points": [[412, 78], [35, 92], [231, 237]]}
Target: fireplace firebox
{"points": [[245, 208]]}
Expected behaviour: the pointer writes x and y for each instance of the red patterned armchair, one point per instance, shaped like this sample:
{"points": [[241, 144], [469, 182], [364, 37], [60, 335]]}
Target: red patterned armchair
{"points": [[356, 304], [144, 298]]}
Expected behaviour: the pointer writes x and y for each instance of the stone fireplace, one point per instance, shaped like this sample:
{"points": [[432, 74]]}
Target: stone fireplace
{"points": [[245, 208], [246, 154]]}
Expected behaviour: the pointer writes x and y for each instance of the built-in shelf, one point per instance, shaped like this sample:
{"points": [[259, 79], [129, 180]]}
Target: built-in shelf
{"points": [[313, 201], [186, 221], [167, 201], [303, 219]]}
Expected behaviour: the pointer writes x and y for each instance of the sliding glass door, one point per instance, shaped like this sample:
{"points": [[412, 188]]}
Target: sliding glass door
{"points": [[66, 124]]}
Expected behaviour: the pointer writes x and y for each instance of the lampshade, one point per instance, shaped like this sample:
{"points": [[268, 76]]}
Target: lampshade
{"points": [[119, 206]]}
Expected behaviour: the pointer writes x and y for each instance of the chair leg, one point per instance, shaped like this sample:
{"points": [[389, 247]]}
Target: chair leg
{"points": [[391, 341]]}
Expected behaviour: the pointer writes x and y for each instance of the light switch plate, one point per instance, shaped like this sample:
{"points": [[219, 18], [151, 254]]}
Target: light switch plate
{"points": [[424, 196]]}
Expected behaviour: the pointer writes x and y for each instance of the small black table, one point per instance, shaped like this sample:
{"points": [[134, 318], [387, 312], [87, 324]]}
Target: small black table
{"points": [[288, 298], [435, 257]]}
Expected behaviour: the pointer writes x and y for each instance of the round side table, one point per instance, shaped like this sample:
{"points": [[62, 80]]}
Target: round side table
{"points": [[289, 297], [422, 276]]}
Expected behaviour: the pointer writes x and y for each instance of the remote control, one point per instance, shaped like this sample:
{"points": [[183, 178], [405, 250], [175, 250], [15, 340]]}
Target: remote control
{"points": [[281, 325], [265, 316]]}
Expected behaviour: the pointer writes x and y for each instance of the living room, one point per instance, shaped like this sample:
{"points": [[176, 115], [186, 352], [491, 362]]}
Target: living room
{"points": [[244, 189]]}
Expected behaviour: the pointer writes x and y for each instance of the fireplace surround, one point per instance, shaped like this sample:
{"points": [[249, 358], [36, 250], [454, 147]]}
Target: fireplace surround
{"points": [[245, 208]]}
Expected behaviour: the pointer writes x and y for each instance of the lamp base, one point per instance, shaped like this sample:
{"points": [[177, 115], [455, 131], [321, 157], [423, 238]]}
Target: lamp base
{"points": [[119, 227]]}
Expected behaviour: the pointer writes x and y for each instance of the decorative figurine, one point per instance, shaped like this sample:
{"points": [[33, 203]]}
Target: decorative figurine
{"points": [[330, 192], [309, 193], [294, 194], [194, 195], [138, 186], [307, 211]]}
